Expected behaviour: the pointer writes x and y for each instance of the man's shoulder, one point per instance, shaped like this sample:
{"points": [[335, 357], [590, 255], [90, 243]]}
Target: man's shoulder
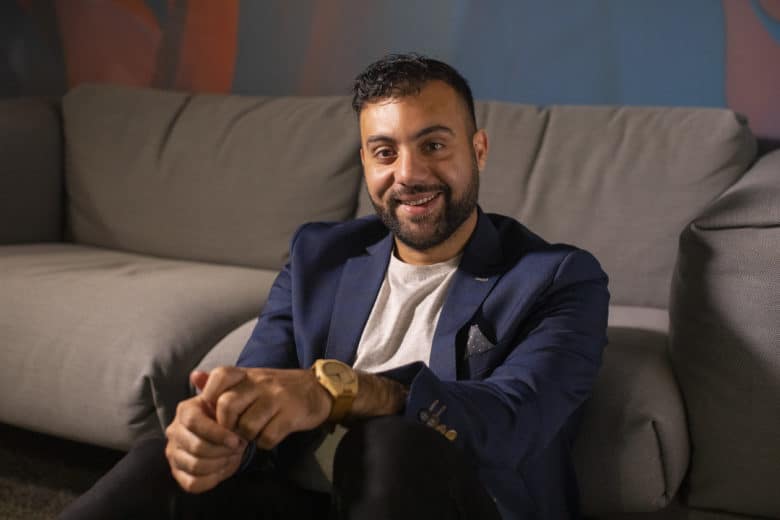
{"points": [[349, 237], [517, 240], [522, 248]]}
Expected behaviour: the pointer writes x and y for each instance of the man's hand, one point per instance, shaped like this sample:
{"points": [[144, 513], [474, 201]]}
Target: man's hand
{"points": [[201, 453], [265, 405]]}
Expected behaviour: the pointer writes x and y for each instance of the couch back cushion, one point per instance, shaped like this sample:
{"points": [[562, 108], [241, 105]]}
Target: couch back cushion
{"points": [[621, 182], [213, 178]]}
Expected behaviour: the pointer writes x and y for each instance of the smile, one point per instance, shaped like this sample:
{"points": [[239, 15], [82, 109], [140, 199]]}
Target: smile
{"points": [[421, 201]]}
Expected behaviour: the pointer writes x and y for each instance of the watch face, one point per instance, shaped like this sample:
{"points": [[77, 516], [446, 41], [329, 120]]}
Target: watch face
{"points": [[338, 374]]}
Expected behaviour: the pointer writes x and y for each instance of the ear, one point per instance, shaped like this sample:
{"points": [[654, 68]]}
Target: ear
{"points": [[480, 143], [362, 158]]}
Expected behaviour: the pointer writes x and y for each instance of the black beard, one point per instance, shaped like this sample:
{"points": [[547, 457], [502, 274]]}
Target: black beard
{"points": [[454, 215]]}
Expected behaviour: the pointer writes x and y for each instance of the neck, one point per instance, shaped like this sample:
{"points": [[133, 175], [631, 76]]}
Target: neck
{"points": [[448, 249]]}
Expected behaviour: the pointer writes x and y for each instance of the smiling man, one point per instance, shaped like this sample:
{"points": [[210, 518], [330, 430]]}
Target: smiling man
{"points": [[424, 180], [451, 349]]}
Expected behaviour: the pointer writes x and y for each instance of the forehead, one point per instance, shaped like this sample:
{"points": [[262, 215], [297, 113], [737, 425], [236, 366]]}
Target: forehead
{"points": [[436, 104]]}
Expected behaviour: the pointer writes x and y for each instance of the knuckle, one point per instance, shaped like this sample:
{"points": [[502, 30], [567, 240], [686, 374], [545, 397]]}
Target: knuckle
{"points": [[220, 373], [187, 483], [226, 401], [198, 446], [276, 390], [186, 420], [169, 452], [191, 466], [183, 406]]}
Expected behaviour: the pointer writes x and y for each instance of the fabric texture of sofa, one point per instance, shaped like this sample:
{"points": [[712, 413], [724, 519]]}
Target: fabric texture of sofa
{"points": [[140, 232]]}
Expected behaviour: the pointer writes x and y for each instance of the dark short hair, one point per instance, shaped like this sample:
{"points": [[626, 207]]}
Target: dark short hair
{"points": [[399, 75]]}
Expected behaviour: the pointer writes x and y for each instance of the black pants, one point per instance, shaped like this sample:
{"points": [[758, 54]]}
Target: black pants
{"points": [[385, 468]]}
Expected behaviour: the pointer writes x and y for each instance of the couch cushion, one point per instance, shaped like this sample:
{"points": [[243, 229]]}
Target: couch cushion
{"points": [[97, 345], [632, 451], [226, 352], [621, 182], [213, 178], [31, 183], [725, 339]]}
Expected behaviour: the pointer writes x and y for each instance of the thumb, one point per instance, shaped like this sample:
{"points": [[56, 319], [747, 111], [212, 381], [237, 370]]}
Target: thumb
{"points": [[198, 378]]}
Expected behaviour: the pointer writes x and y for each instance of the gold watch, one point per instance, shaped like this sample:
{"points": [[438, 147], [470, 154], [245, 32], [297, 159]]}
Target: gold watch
{"points": [[341, 382]]}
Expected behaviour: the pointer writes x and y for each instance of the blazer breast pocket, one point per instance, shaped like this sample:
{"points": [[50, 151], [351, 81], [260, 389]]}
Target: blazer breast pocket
{"points": [[477, 342], [481, 354]]}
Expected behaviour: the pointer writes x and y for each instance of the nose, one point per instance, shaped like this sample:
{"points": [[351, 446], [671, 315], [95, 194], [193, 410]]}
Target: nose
{"points": [[411, 169]]}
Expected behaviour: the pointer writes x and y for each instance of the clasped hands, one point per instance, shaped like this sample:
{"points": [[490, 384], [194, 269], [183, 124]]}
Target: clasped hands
{"points": [[236, 406]]}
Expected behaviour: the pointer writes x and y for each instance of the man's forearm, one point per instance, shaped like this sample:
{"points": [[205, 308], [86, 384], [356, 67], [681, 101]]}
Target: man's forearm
{"points": [[377, 396]]}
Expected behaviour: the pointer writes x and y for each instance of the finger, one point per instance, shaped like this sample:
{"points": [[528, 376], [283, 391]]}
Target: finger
{"points": [[275, 431], [200, 466], [191, 414], [198, 484], [198, 379], [220, 380], [254, 419], [233, 403], [184, 439]]}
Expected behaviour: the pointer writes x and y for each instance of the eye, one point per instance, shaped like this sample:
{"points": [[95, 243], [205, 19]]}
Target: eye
{"points": [[433, 146], [384, 153]]}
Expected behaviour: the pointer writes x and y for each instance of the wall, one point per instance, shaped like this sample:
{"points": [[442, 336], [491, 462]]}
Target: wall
{"points": [[659, 52]]}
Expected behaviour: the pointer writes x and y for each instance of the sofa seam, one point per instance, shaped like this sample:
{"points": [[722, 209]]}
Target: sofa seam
{"points": [[662, 462]]}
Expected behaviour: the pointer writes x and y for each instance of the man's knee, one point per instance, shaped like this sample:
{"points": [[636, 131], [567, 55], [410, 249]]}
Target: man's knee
{"points": [[388, 455], [391, 467], [390, 444]]}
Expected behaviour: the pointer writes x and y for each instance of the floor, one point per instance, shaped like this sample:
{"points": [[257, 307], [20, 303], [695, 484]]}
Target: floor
{"points": [[40, 475]]}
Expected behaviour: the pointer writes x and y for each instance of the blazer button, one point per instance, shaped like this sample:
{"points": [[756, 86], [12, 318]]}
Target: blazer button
{"points": [[451, 435]]}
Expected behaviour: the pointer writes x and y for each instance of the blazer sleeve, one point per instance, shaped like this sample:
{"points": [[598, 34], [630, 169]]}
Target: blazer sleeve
{"points": [[522, 405]]}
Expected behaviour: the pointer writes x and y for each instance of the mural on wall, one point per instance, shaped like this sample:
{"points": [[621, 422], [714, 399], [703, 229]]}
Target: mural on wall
{"points": [[177, 44], [753, 63], [665, 52]]}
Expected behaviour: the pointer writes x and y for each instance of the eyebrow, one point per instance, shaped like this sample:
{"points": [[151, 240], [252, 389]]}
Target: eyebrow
{"points": [[425, 131]]}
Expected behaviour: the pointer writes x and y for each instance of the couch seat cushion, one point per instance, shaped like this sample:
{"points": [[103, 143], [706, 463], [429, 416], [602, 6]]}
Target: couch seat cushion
{"points": [[97, 344], [632, 451]]}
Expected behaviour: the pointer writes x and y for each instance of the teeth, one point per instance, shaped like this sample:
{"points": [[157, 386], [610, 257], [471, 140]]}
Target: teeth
{"points": [[421, 201]]}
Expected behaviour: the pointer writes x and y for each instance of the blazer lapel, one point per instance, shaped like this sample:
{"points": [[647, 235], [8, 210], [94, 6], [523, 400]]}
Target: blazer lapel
{"points": [[477, 274], [361, 279]]}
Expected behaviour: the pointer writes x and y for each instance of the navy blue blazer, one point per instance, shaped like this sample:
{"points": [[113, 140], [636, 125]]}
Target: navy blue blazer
{"points": [[515, 353]]}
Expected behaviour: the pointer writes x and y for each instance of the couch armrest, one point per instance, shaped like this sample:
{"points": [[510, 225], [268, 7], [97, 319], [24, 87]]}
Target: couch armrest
{"points": [[751, 202], [724, 330], [31, 179]]}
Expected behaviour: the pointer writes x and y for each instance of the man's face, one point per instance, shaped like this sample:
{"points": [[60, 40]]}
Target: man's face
{"points": [[422, 159]]}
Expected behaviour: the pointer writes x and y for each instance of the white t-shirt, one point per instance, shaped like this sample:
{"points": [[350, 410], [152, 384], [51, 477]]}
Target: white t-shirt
{"points": [[403, 320]]}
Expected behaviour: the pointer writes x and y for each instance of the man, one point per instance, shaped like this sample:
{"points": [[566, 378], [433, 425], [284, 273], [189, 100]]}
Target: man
{"points": [[457, 347]]}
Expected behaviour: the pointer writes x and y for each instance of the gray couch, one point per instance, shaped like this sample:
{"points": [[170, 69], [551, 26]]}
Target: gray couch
{"points": [[140, 232]]}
